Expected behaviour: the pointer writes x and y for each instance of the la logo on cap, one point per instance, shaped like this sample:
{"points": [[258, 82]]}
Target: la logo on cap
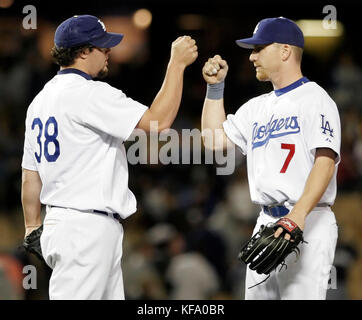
{"points": [[102, 24]]}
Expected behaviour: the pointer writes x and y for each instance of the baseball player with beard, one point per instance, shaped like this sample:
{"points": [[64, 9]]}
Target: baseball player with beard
{"points": [[291, 137], [75, 161]]}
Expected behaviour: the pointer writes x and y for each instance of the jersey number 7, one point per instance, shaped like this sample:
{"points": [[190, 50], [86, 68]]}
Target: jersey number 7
{"points": [[291, 148]]}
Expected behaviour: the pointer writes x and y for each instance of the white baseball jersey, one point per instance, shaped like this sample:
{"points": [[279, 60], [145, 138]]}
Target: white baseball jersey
{"points": [[279, 132], [75, 129]]}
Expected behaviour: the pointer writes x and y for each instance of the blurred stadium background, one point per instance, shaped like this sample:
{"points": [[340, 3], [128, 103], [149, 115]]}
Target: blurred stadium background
{"points": [[183, 241]]}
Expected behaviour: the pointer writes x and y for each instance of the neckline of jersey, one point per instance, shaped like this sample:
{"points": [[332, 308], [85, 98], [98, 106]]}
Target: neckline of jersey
{"points": [[76, 71], [292, 86]]}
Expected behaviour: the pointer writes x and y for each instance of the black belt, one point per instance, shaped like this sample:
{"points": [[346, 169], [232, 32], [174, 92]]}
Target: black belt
{"points": [[112, 215]]}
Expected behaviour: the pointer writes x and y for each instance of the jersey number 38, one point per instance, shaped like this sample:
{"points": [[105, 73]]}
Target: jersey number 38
{"points": [[50, 139]]}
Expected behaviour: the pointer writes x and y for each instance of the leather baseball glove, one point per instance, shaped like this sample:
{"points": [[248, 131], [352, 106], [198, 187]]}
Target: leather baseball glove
{"points": [[32, 242], [265, 253]]}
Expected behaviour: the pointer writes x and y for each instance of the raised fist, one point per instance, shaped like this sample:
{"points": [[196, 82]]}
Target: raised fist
{"points": [[184, 51], [215, 70]]}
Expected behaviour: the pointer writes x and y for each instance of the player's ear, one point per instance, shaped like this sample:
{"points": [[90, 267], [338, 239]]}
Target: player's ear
{"points": [[84, 53], [286, 51]]}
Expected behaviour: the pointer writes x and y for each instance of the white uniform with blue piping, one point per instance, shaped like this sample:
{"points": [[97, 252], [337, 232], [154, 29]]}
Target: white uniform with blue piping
{"points": [[280, 132], [75, 129]]}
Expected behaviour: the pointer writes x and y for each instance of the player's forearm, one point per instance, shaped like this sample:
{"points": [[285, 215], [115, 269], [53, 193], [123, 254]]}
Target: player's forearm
{"points": [[167, 102], [30, 198], [317, 182], [213, 112], [212, 118]]}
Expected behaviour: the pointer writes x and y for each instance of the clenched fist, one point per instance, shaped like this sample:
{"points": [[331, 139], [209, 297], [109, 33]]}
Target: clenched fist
{"points": [[184, 51], [215, 70]]}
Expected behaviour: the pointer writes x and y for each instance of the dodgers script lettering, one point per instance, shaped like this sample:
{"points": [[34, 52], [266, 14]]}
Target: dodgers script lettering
{"points": [[275, 128]]}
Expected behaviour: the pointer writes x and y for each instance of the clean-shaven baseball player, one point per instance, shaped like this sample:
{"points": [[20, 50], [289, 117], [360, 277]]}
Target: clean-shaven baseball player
{"points": [[75, 162], [291, 137]]}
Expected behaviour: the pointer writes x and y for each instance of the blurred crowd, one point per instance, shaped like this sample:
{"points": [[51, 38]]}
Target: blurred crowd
{"points": [[184, 239]]}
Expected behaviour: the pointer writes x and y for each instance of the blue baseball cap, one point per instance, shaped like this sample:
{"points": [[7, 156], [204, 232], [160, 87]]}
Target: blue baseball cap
{"points": [[270, 30], [85, 29]]}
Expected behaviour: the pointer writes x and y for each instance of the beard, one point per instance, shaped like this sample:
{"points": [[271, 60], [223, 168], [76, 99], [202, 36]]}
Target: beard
{"points": [[261, 75], [103, 73]]}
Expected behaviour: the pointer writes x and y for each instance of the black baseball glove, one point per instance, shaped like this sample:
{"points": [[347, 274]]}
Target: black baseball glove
{"points": [[265, 253], [32, 242]]}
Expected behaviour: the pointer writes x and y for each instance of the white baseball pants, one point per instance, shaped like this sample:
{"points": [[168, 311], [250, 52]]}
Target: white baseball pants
{"points": [[84, 250]]}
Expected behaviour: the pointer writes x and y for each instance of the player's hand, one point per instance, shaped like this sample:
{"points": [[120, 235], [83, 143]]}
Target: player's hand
{"points": [[297, 218], [184, 51], [215, 70]]}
